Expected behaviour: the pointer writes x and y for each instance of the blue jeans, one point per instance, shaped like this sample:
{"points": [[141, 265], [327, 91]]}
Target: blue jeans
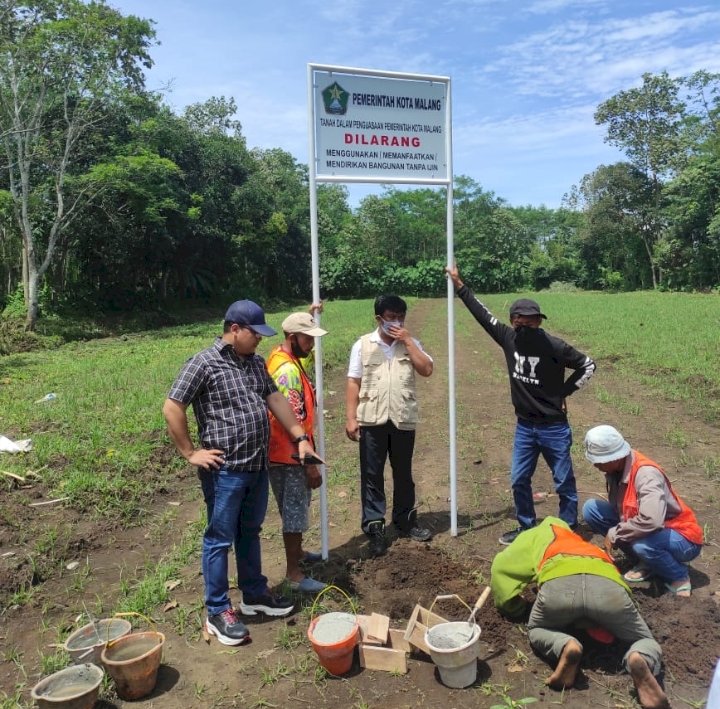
{"points": [[553, 441], [664, 552], [236, 504]]}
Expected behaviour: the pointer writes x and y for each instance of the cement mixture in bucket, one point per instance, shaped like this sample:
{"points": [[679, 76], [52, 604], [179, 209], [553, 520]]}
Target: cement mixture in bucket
{"points": [[449, 636], [332, 627]]}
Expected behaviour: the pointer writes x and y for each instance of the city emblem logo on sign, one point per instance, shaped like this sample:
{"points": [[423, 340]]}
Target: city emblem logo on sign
{"points": [[335, 99]]}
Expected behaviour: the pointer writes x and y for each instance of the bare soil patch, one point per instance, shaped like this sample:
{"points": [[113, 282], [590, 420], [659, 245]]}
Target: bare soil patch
{"points": [[278, 668]]}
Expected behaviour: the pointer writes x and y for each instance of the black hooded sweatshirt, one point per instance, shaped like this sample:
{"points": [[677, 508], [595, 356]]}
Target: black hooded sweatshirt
{"points": [[536, 363]]}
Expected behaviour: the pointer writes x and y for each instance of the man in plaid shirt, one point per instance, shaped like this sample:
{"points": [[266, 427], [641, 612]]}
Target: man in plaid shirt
{"points": [[230, 392]]}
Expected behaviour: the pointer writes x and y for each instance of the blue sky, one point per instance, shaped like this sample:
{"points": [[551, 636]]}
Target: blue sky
{"points": [[526, 76]]}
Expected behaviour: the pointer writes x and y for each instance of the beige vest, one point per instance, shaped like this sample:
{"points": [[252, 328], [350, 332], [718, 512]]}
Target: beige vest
{"points": [[387, 388]]}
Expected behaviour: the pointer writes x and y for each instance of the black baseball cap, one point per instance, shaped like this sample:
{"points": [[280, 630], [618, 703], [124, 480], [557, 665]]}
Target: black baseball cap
{"points": [[525, 306], [245, 312]]}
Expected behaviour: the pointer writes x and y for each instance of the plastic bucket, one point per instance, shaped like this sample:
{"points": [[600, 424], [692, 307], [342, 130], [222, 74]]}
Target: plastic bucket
{"points": [[133, 662], [75, 687], [334, 637], [454, 649], [87, 643]]}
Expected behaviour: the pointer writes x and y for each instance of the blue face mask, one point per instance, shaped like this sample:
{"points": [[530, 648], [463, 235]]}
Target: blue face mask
{"points": [[387, 324]]}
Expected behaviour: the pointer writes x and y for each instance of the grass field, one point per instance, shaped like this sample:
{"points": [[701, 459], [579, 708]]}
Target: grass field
{"points": [[106, 418]]}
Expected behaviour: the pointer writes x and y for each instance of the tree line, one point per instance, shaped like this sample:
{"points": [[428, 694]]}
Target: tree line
{"points": [[110, 200]]}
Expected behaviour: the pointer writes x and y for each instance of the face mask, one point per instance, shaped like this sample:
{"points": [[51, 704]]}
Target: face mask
{"points": [[387, 324], [525, 335]]}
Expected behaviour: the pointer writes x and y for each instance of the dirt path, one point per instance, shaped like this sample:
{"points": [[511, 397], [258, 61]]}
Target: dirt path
{"points": [[279, 669]]}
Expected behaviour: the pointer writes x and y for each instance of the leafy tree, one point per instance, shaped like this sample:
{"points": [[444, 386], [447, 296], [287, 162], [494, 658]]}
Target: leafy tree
{"points": [[615, 199], [420, 224], [63, 64], [646, 122], [214, 116], [690, 253], [497, 258]]}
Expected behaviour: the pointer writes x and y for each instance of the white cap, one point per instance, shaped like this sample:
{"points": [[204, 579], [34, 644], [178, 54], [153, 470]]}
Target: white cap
{"points": [[304, 323], [604, 444]]}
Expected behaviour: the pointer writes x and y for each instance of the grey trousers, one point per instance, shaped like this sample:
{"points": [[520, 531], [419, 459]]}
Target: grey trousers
{"points": [[585, 599]]}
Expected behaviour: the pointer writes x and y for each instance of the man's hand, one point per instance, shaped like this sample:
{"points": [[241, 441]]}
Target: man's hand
{"points": [[209, 459], [399, 333], [313, 476], [454, 276], [352, 430], [608, 545]]}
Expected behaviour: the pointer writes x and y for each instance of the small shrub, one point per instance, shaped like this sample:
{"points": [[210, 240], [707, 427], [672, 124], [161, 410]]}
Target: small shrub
{"points": [[14, 338], [562, 287]]}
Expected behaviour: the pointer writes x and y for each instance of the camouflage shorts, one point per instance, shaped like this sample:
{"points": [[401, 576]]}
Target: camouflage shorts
{"points": [[293, 496]]}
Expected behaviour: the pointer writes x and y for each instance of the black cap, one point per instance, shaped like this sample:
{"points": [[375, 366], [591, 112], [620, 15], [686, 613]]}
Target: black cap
{"points": [[525, 306], [245, 312]]}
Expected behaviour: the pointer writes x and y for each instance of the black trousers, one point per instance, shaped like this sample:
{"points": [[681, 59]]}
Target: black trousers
{"points": [[377, 443]]}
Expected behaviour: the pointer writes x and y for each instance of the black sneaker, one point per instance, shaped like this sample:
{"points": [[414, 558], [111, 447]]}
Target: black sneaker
{"points": [[228, 629], [376, 532], [417, 534], [510, 537], [267, 603]]}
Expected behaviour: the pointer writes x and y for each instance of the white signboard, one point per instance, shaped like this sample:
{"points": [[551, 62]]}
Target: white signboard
{"points": [[381, 128]]}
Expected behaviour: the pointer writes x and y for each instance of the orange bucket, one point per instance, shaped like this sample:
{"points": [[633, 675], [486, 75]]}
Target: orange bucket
{"points": [[334, 637], [133, 662]]}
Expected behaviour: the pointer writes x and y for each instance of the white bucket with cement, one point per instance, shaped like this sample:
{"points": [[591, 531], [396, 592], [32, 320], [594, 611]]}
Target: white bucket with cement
{"points": [[454, 648]]}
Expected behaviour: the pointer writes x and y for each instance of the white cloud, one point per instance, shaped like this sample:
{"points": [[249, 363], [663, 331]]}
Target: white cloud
{"points": [[584, 58], [542, 7]]}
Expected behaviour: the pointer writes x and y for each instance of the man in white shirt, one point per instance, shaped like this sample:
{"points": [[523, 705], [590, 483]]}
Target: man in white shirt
{"points": [[382, 413]]}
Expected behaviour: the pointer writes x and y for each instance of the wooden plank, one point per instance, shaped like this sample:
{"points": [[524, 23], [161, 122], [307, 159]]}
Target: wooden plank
{"points": [[430, 619], [364, 623], [397, 640], [420, 620], [383, 658], [378, 628], [412, 621], [417, 637]]}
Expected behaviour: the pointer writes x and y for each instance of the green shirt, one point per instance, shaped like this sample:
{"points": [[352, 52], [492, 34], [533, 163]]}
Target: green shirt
{"points": [[517, 566]]}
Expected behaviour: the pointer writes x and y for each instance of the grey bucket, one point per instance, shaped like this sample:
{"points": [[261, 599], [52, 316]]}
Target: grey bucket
{"points": [[75, 687], [454, 648]]}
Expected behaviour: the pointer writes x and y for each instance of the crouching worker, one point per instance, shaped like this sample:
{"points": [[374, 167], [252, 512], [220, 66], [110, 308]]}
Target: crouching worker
{"points": [[579, 587], [643, 516]]}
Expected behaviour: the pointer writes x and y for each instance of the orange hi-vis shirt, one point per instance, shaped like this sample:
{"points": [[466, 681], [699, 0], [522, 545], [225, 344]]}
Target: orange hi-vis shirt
{"points": [[294, 384], [685, 523]]}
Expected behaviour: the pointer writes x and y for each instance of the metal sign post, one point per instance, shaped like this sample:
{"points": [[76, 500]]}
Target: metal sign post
{"points": [[366, 125]]}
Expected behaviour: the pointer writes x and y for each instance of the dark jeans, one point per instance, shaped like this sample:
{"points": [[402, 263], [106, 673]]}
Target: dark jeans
{"points": [[553, 441], [377, 443], [236, 504]]}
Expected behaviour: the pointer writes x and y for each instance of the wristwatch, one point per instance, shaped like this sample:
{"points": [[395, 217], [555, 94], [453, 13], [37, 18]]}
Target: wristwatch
{"points": [[304, 437]]}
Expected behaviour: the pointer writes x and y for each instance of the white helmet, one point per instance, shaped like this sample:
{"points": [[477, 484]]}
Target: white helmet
{"points": [[604, 444]]}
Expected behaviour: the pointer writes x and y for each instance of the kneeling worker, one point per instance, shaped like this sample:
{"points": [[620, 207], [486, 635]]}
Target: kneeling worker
{"points": [[580, 587], [643, 515]]}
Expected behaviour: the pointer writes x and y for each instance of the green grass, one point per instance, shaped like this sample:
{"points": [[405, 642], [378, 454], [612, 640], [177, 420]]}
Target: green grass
{"points": [[95, 442]]}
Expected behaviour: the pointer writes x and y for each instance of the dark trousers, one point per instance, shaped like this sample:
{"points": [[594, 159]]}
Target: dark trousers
{"points": [[377, 443]]}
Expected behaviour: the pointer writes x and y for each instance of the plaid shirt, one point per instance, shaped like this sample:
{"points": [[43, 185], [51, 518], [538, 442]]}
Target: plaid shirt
{"points": [[228, 393]]}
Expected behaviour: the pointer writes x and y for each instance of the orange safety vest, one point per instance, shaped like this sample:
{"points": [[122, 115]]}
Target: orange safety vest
{"points": [[281, 442], [685, 523], [568, 543]]}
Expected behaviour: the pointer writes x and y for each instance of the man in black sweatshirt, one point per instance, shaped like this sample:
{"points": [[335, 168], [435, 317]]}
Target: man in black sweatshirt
{"points": [[536, 363]]}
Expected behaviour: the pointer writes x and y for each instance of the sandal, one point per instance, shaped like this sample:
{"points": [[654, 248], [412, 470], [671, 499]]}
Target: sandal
{"points": [[685, 587], [638, 574]]}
